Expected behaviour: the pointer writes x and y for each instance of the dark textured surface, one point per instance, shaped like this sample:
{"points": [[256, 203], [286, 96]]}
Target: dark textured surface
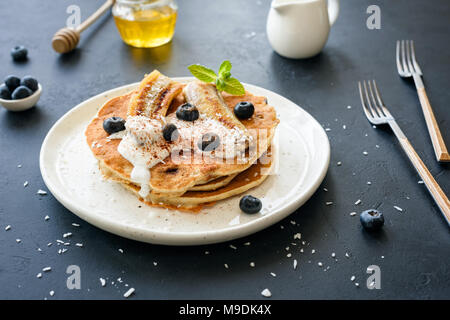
{"points": [[415, 242]]}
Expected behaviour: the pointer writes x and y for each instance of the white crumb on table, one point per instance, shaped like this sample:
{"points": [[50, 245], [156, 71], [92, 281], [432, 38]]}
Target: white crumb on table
{"points": [[47, 269], [353, 213], [39, 275], [295, 264], [41, 192], [358, 202], [329, 203], [25, 184], [46, 218], [398, 208], [232, 247], [129, 292], [225, 265], [102, 282], [120, 250], [252, 264], [52, 293], [266, 293], [8, 227], [273, 274], [297, 236], [352, 278]]}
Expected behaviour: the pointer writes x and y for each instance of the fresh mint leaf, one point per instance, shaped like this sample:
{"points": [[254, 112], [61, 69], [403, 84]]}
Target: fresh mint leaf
{"points": [[220, 84], [223, 81], [224, 69], [202, 73], [233, 86]]}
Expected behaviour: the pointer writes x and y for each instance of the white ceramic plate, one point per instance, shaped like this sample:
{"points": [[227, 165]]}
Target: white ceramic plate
{"points": [[71, 174]]}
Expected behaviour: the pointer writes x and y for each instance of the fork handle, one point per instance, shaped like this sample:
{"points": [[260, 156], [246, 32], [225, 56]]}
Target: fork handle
{"points": [[440, 149], [436, 192]]}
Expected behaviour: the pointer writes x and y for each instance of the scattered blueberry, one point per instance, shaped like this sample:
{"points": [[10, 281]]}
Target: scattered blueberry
{"points": [[19, 53], [250, 204], [4, 92], [244, 109], [170, 132], [12, 82], [29, 82], [371, 219], [209, 142], [114, 124], [187, 112], [21, 92]]}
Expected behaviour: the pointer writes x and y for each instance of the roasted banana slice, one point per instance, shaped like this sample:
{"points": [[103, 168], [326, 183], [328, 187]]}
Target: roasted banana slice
{"points": [[154, 95]]}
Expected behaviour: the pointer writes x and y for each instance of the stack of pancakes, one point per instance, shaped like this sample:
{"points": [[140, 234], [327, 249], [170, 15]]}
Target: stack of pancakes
{"points": [[186, 185]]}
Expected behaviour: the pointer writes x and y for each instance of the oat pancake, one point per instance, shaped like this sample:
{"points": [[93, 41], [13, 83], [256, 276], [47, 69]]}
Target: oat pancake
{"points": [[171, 179], [240, 183]]}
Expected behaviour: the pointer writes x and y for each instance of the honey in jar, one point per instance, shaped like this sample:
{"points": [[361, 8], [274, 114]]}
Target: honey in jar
{"points": [[145, 23]]}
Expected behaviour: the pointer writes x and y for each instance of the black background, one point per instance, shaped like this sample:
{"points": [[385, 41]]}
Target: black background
{"points": [[415, 242]]}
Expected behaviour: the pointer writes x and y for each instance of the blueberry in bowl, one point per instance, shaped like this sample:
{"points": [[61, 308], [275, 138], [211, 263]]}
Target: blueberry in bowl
{"points": [[12, 82], [30, 82], [371, 220], [19, 94], [5, 93]]}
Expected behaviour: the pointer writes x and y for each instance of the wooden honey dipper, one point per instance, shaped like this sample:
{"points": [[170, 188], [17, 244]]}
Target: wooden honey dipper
{"points": [[66, 39]]}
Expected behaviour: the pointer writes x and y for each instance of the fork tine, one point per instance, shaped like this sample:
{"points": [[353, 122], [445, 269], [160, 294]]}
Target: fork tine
{"points": [[366, 110], [405, 67], [375, 103], [371, 108], [397, 58], [413, 55], [408, 57], [380, 101]]}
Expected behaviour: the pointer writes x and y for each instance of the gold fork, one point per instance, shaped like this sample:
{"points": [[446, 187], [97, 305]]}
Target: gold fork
{"points": [[377, 113], [407, 67]]}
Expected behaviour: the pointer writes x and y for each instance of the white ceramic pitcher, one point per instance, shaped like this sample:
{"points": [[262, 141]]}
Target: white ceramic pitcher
{"points": [[299, 28]]}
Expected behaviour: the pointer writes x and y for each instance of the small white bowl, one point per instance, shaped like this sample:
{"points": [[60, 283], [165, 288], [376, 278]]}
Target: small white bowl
{"points": [[22, 104]]}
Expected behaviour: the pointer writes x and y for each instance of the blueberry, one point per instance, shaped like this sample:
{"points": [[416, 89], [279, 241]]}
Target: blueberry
{"points": [[4, 92], [244, 109], [187, 112], [19, 53], [114, 124], [170, 132], [371, 219], [21, 92], [209, 142], [12, 82], [29, 82], [250, 204]]}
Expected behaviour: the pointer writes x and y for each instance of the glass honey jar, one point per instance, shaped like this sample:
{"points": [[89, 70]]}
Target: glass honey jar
{"points": [[145, 23]]}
